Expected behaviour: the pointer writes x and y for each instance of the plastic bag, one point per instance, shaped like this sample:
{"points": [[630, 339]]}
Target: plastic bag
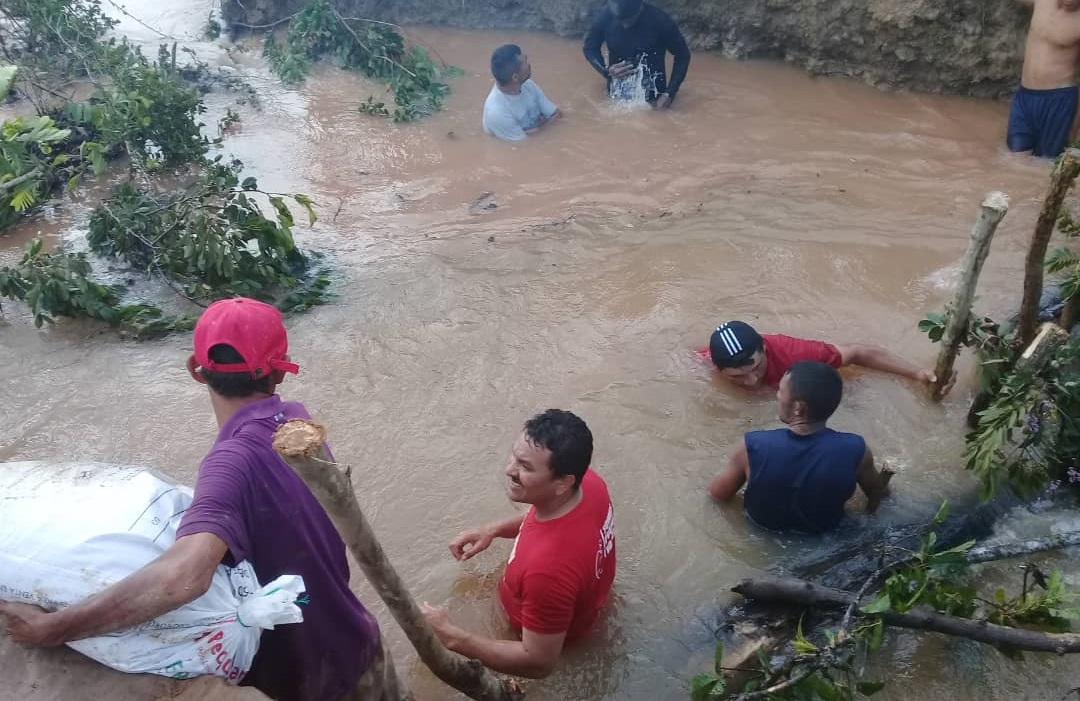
{"points": [[67, 531]]}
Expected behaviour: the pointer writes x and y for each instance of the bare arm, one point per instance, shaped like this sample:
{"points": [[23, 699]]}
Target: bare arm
{"points": [[874, 484], [476, 540], [734, 475], [181, 574], [534, 656], [877, 358]]}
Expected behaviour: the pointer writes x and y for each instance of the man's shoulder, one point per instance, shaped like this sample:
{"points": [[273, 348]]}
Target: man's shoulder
{"points": [[656, 14]]}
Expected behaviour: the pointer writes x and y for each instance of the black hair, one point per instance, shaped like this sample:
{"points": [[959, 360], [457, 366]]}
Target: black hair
{"points": [[233, 384], [817, 385], [625, 9], [505, 61], [567, 437]]}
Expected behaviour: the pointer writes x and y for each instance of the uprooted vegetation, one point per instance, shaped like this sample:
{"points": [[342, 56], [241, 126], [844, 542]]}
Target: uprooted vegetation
{"points": [[202, 231]]}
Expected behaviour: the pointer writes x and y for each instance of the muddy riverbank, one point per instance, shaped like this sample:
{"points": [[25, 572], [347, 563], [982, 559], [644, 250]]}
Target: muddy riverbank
{"points": [[966, 47]]}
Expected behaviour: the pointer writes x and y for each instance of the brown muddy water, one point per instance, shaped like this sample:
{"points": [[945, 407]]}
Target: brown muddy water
{"points": [[620, 238]]}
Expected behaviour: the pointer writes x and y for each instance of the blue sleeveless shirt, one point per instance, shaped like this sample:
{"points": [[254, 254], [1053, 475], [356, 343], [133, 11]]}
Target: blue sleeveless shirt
{"points": [[800, 483]]}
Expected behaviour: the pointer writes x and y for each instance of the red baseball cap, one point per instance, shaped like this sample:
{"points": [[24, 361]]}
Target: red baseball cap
{"points": [[253, 328]]}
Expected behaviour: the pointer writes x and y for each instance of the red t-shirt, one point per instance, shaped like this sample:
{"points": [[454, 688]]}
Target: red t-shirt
{"points": [[560, 571], [782, 352]]}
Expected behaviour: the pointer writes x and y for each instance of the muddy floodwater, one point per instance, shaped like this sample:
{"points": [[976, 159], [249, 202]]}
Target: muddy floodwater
{"points": [[617, 241]]}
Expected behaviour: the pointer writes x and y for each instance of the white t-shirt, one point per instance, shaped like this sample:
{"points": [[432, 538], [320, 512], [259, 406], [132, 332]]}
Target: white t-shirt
{"points": [[508, 116]]}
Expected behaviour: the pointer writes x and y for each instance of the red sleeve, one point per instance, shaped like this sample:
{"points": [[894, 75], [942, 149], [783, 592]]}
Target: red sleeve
{"points": [[547, 605], [796, 349], [219, 503]]}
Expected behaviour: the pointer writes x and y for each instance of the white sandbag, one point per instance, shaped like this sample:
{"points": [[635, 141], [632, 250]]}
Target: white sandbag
{"points": [[69, 530]]}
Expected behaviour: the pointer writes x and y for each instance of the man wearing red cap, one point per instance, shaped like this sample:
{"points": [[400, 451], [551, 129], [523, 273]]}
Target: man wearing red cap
{"points": [[248, 505]]}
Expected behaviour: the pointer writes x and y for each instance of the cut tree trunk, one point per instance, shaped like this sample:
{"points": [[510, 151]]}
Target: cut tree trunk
{"points": [[300, 444], [799, 592], [993, 210], [1064, 175], [1049, 338]]}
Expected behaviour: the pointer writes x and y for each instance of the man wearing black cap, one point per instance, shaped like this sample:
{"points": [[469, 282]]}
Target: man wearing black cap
{"points": [[798, 478], [637, 33], [753, 360]]}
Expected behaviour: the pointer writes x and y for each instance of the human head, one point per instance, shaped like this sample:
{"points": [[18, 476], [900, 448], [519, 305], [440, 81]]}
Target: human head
{"points": [[809, 392], [550, 457], [739, 352], [626, 11], [241, 348], [510, 66]]}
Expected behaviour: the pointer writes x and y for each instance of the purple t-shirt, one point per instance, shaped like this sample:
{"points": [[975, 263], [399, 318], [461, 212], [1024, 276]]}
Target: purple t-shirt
{"points": [[247, 496]]}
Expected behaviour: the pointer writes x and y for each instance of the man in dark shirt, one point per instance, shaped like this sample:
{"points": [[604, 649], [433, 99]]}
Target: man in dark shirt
{"points": [[799, 477], [638, 34], [248, 505]]}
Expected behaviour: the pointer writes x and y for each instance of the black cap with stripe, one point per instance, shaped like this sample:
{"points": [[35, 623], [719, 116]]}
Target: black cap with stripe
{"points": [[733, 344]]}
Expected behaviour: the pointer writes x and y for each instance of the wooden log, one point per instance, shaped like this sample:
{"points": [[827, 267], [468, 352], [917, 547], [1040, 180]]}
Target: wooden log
{"points": [[803, 593], [1062, 179], [1000, 551], [300, 444], [994, 207], [1049, 338]]}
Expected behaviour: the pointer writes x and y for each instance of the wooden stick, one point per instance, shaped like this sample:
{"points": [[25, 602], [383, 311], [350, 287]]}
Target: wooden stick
{"points": [[300, 444], [1042, 347], [803, 593], [1064, 175], [993, 210]]}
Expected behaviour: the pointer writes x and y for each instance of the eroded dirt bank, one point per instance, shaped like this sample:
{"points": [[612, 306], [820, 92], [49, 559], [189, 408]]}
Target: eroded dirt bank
{"points": [[971, 47]]}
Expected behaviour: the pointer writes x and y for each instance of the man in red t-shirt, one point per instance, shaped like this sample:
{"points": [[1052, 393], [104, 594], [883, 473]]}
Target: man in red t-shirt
{"points": [[752, 360], [563, 561]]}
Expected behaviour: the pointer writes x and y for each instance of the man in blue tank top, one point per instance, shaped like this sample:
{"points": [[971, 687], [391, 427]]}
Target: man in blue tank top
{"points": [[798, 478]]}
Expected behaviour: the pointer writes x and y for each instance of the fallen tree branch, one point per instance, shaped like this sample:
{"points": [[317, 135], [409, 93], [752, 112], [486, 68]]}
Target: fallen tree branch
{"points": [[300, 444], [988, 553], [15, 182], [803, 593]]}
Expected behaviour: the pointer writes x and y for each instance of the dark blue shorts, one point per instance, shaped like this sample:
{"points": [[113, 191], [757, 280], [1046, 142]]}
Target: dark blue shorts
{"points": [[1040, 120]]}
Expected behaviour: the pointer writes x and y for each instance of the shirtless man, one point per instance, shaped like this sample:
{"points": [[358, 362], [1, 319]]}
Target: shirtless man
{"points": [[1044, 106]]}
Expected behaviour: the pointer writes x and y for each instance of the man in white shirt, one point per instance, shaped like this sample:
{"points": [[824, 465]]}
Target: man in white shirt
{"points": [[516, 106]]}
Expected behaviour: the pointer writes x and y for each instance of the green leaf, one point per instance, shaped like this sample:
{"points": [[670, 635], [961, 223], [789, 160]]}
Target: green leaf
{"points": [[284, 215], [801, 644], [879, 605], [718, 657], [942, 513], [876, 633], [249, 184], [7, 79], [869, 688], [702, 685], [305, 202]]}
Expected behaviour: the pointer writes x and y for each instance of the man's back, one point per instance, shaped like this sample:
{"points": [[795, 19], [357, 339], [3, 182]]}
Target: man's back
{"points": [[560, 571], [801, 482], [1053, 46], [265, 514]]}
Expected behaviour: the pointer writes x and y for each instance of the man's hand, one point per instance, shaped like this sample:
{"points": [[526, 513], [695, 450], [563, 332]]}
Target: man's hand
{"points": [[476, 540], [663, 101], [439, 620], [927, 377], [620, 69], [28, 625]]}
